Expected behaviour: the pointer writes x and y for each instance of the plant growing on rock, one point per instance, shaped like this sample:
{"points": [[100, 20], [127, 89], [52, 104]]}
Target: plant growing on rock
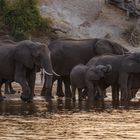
{"points": [[23, 18]]}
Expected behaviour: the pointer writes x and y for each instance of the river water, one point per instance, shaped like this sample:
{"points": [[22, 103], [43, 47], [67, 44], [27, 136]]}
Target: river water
{"points": [[66, 120]]}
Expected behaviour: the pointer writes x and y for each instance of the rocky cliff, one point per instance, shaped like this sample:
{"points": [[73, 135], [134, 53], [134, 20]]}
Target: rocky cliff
{"points": [[87, 19]]}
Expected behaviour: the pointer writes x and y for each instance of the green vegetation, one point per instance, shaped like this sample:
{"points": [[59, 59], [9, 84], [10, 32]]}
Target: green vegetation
{"points": [[2, 6], [22, 17]]}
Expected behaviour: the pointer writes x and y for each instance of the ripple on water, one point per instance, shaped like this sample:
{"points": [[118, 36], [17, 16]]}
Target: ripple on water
{"points": [[66, 120]]}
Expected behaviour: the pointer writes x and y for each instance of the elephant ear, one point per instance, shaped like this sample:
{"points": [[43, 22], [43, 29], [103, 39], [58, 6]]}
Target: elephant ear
{"points": [[23, 54], [101, 68]]}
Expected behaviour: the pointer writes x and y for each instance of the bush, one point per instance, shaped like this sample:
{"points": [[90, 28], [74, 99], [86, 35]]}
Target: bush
{"points": [[23, 18], [2, 6]]}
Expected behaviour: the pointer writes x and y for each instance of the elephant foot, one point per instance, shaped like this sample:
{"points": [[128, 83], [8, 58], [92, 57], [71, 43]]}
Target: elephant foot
{"points": [[68, 96], [52, 97], [26, 99], [7, 92], [115, 104], [47, 93], [61, 94], [80, 99], [2, 98], [48, 98], [122, 102], [11, 92], [42, 93], [97, 98], [84, 94], [104, 95], [73, 99], [125, 104]]}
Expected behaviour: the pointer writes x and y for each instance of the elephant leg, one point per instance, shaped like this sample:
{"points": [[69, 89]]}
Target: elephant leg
{"points": [[1, 96], [80, 94], [115, 95], [12, 91], [59, 92], [84, 93], [68, 93], [73, 93], [20, 77], [6, 90], [133, 93], [48, 87], [104, 93], [43, 91], [101, 94], [123, 80], [31, 81], [91, 95]]}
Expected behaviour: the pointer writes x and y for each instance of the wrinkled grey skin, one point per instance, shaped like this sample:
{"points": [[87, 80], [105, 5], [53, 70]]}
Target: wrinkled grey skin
{"points": [[18, 63], [83, 77], [122, 67], [9, 89], [133, 85], [65, 54]]}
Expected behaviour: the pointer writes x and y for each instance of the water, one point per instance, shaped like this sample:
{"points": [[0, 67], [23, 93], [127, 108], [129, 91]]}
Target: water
{"points": [[66, 120]]}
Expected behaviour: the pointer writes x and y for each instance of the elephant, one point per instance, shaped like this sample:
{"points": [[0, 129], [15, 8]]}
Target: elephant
{"points": [[65, 54], [83, 77], [122, 67], [133, 85], [8, 88], [19, 62]]}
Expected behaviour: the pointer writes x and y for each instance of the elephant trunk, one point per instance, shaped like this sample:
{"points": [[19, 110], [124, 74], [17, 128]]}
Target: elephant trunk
{"points": [[47, 66]]}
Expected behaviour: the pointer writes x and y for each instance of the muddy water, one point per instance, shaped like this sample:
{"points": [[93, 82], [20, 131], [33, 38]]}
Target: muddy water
{"points": [[61, 119]]}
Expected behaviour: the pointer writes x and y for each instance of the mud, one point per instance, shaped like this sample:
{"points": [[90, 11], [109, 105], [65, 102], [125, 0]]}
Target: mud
{"points": [[66, 120], [63, 119]]}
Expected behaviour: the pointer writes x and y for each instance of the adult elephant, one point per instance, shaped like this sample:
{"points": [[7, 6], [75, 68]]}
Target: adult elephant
{"points": [[18, 63], [133, 85], [123, 66], [8, 87], [65, 54]]}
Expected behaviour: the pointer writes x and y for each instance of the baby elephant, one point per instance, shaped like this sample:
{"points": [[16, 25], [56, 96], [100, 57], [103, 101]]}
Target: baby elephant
{"points": [[83, 77]]}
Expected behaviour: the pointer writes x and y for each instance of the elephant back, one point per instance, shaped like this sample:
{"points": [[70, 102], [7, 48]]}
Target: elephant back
{"points": [[108, 47]]}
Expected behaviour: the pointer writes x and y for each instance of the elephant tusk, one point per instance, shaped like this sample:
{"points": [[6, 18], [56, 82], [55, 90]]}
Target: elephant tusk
{"points": [[55, 73], [53, 70], [50, 74]]}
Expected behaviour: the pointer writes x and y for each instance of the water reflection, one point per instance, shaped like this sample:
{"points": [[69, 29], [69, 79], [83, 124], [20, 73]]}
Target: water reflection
{"points": [[64, 119], [56, 106]]}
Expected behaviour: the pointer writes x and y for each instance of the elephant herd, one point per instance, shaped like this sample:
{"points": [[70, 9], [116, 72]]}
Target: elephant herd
{"points": [[89, 65]]}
